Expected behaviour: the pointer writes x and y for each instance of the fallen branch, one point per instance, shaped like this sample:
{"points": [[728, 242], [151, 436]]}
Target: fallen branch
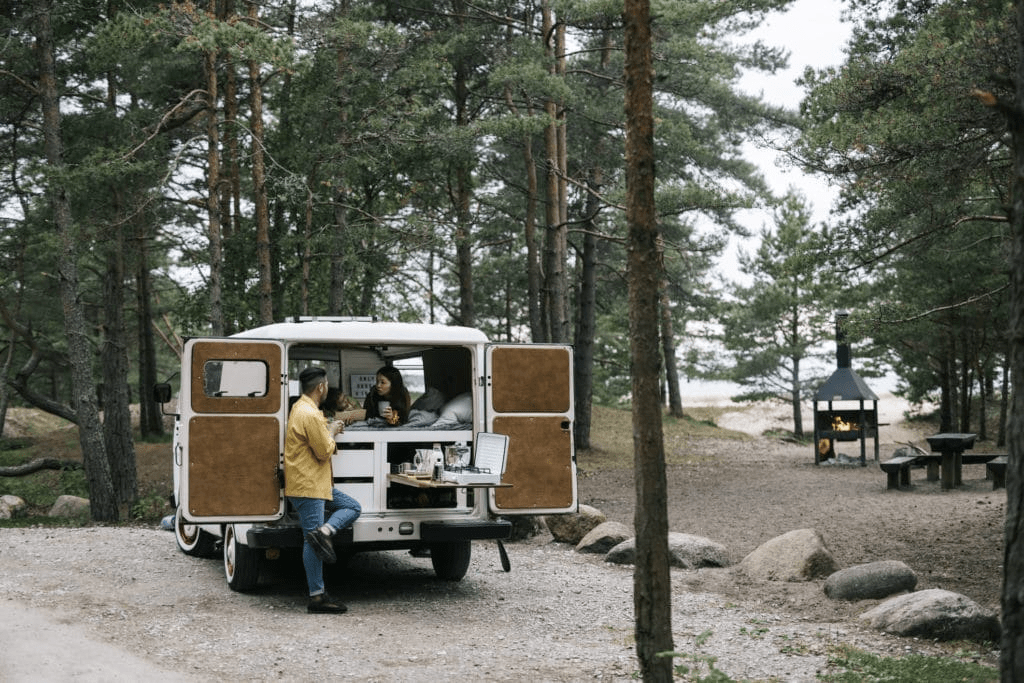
{"points": [[39, 464]]}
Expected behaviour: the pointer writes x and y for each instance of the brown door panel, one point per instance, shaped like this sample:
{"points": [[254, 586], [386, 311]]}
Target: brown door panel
{"points": [[540, 466], [233, 463], [531, 380]]}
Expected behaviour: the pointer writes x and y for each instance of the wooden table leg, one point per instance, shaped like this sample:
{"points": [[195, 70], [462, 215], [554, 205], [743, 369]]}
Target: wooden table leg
{"points": [[948, 474]]}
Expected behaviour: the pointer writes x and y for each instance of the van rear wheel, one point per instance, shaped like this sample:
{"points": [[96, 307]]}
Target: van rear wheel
{"points": [[192, 539], [241, 563], [450, 560]]}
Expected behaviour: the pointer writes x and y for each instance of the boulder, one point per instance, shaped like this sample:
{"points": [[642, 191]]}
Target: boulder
{"points": [[799, 555], [937, 614], [604, 537], [524, 527], [870, 581], [573, 527], [69, 506], [686, 551], [10, 506]]}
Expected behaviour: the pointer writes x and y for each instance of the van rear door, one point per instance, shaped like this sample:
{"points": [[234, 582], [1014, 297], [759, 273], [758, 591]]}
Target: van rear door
{"points": [[529, 393], [233, 416]]}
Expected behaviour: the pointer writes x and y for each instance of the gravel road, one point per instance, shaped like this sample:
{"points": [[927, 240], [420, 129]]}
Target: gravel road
{"points": [[108, 604]]}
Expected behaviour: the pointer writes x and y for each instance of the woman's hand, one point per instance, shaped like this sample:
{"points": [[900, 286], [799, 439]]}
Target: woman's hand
{"points": [[390, 416]]}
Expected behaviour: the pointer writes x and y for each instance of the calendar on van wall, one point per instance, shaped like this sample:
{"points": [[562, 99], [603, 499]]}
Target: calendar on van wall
{"points": [[360, 385]]}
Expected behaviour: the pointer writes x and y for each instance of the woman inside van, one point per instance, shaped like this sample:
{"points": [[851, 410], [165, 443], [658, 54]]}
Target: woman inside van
{"points": [[389, 400]]}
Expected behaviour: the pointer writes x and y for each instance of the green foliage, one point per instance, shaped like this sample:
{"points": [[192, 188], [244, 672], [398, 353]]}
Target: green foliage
{"points": [[923, 168], [862, 667], [777, 323]]}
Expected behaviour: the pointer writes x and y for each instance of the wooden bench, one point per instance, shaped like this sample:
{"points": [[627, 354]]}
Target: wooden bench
{"points": [[897, 471], [996, 468]]}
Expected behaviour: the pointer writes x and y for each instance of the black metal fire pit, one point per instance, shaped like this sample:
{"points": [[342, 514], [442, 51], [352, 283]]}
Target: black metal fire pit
{"points": [[845, 408]]}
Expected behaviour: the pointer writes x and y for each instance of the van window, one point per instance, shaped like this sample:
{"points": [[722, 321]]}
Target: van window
{"points": [[229, 378]]}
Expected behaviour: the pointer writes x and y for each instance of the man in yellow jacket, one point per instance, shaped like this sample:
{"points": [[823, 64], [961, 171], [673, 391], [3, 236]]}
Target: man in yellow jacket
{"points": [[309, 486]]}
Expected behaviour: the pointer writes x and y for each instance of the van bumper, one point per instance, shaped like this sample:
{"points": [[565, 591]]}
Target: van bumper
{"points": [[447, 531], [285, 537], [465, 530]]}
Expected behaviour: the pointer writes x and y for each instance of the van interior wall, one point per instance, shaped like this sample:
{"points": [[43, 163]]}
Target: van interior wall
{"points": [[449, 371]]}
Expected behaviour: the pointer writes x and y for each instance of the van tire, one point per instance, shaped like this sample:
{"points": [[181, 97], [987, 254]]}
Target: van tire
{"points": [[241, 563], [193, 540], [450, 560]]}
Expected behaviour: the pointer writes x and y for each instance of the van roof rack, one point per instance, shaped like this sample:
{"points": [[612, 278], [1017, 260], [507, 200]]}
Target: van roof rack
{"points": [[331, 319]]}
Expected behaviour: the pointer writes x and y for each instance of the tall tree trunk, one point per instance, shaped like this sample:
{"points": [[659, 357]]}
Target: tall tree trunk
{"points": [[279, 227], [1011, 654], [796, 399], [652, 588], [213, 208], [102, 501], [534, 270], [562, 325], [463, 190], [336, 289], [1004, 402], [259, 182], [150, 420], [555, 278], [234, 239], [117, 416], [668, 350], [583, 359]]}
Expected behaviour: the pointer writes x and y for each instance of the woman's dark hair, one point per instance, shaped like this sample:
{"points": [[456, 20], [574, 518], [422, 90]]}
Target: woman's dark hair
{"points": [[395, 377], [398, 396], [331, 402]]}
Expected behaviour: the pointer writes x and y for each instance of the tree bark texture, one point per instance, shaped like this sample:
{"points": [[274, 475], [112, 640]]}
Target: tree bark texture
{"points": [[652, 595], [117, 416], [259, 181], [213, 207], [583, 358], [1011, 656], [102, 502]]}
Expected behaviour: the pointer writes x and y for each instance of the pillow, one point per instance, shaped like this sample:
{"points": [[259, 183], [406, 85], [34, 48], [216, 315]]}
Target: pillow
{"points": [[459, 409], [432, 400]]}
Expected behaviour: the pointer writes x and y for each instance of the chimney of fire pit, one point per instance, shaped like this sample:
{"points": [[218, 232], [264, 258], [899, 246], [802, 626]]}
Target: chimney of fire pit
{"points": [[842, 346], [844, 384]]}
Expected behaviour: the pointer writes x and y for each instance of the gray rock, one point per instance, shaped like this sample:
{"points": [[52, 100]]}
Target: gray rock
{"points": [[10, 506], [604, 537], [870, 581], [934, 613], [524, 527], [69, 506], [693, 552], [573, 527], [686, 551], [799, 555]]}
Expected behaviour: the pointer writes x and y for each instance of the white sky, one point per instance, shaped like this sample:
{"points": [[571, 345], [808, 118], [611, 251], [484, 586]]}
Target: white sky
{"points": [[814, 36], [812, 33]]}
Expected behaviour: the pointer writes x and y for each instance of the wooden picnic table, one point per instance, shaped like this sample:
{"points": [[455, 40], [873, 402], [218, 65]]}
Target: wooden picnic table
{"points": [[950, 447]]}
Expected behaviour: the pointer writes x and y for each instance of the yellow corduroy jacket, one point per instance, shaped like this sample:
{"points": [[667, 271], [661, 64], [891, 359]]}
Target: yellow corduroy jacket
{"points": [[308, 447]]}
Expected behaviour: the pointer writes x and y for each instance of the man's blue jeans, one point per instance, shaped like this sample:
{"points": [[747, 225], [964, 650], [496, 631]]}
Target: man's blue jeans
{"points": [[342, 511]]}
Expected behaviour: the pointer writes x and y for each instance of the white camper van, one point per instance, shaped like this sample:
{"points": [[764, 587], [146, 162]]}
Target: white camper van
{"points": [[499, 418]]}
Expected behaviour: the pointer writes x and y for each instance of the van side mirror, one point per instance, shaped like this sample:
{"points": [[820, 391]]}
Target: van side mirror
{"points": [[162, 392]]}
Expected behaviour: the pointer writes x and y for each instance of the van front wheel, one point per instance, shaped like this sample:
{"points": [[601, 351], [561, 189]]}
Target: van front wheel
{"points": [[450, 560], [241, 563]]}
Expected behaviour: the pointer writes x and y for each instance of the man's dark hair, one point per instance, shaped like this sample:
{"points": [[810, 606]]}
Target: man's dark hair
{"points": [[310, 377]]}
